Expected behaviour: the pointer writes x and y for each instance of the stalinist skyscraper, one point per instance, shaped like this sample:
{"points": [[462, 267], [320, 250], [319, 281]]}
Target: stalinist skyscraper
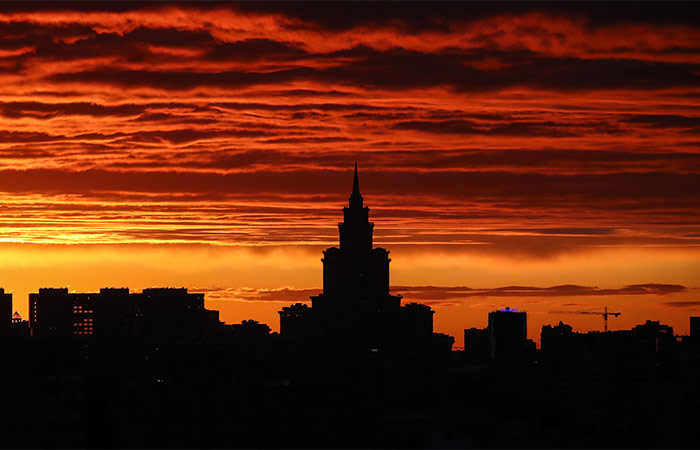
{"points": [[356, 275], [356, 305]]}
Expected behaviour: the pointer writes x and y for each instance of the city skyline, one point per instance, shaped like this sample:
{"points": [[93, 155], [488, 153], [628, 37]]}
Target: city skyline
{"points": [[156, 369], [541, 156], [359, 234]]}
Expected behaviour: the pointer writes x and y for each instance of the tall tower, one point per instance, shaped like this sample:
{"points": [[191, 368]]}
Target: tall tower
{"points": [[356, 275], [356, 229], [356, 308]]}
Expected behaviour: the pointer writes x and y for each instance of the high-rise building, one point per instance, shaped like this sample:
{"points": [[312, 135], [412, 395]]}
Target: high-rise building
{"points": [[356, 305], [355, 275], [55, 312], [115, 319], [5, 310], [695, 328], [508, 330], [477, 342], [615, 374]]}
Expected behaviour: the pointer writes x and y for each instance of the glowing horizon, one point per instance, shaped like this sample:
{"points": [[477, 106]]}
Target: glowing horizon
{"points": [[211, 146]]}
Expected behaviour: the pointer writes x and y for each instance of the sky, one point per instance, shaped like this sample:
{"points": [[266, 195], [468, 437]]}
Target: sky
{"points": [[541, 156]]}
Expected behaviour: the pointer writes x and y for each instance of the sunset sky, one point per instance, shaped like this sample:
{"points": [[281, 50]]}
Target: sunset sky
{"points": [[538, 156]]}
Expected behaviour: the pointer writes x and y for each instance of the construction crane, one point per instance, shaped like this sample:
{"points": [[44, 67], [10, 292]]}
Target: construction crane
{"points": [[599, 313]]}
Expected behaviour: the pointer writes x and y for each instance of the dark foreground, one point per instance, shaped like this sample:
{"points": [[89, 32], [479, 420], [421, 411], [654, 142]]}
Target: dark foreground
{"points": [[251, 389]]}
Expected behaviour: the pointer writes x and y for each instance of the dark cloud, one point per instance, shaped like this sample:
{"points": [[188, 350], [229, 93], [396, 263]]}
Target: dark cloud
{"points": [[181, 79], [25, 153], [182, 136], [579, 231], [132, 46], [169, 37], [20, 34], [585, 187], [253, 50], [446, 293], [418, 160], [285, 294], [114, 6], [422, 15], [433, 294], [683, 304], [663, 120], [15, 110], [671, 188], [26, 136], [400, 69], [98, 46], [298, 93], [157, 117], [238, 106], [467, 127], [312, 140], [413, 16]]}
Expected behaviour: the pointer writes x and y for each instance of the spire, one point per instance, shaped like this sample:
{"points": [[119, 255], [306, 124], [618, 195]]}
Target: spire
{"points": [[356, 183], [356, 229], [356, 197]]}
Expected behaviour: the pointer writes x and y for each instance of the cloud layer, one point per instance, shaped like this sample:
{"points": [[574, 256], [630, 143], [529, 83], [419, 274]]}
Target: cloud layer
{"points": [[441, 295], [538, 127]]}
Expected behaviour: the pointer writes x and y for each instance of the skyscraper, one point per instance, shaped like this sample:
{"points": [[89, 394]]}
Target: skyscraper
{"points": [[355, 275], [116, 320], [356, 305], [508, 329], [5, 310]]}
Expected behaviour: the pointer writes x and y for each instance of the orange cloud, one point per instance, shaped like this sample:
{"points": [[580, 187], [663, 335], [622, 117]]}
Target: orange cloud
{"points": [[525, 131]]}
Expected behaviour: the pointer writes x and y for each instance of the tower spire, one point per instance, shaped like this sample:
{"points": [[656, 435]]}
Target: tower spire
{"points": [[356, 183], [356, 197], [356, 229]]}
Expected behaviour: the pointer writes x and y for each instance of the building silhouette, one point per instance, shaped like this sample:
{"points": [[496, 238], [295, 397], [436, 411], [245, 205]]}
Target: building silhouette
{"points": [[633, 381], [354, 369], [505, 337], [508, 332], [477, 343], [295, 321], [695, 328], [5, 311], [356, 307], [250, 329], [116, 320]]}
